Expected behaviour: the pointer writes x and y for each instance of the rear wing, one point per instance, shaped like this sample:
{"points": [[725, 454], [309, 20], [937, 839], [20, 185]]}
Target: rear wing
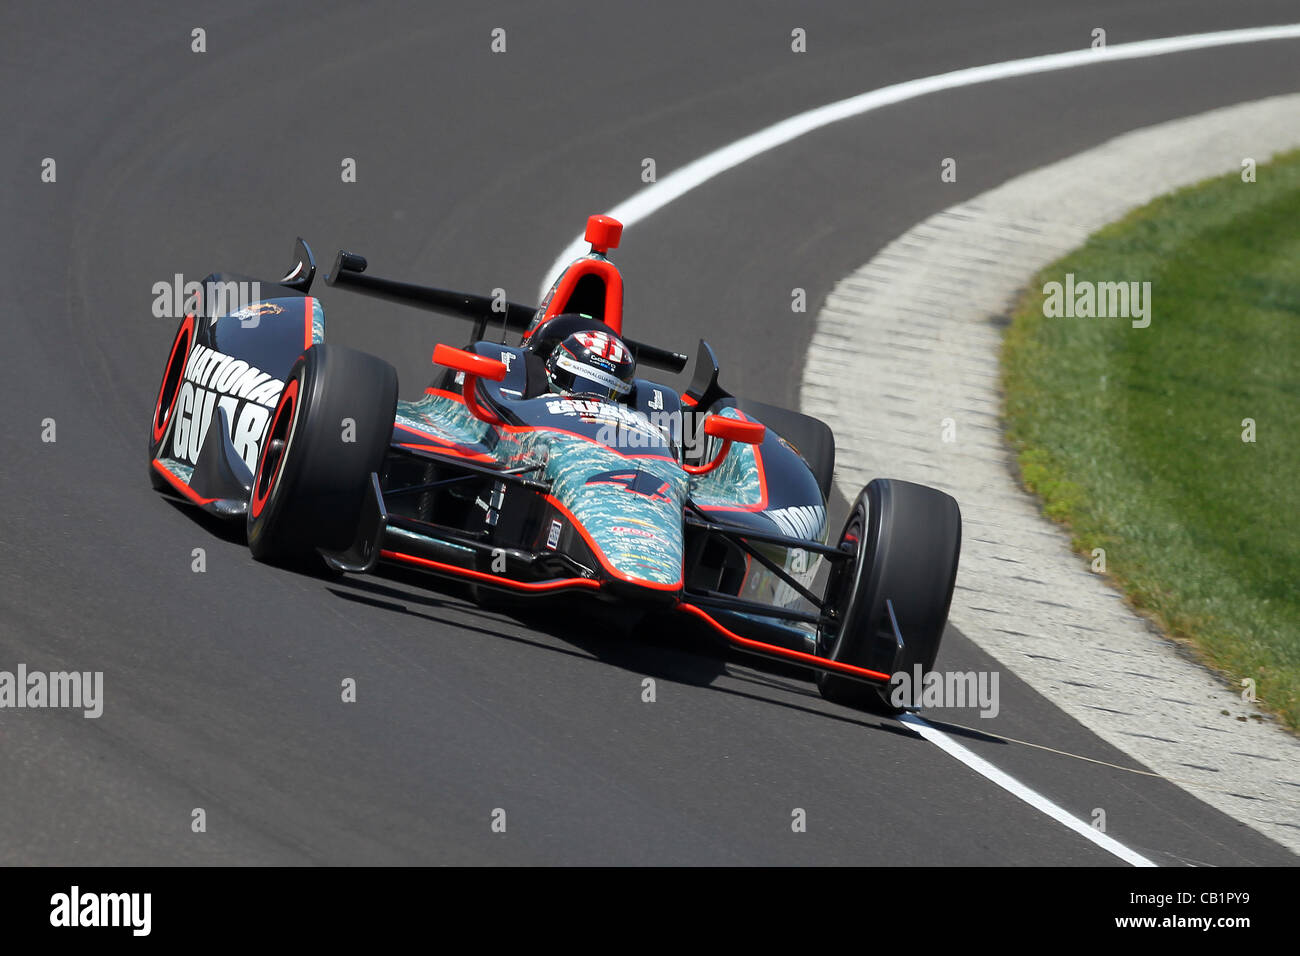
{"points": [[349, 273]]}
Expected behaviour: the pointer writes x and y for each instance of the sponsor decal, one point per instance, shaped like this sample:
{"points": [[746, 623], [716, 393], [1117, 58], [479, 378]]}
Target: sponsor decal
{"points": [[806, 521], [215, 380], [637, 482], [553, 539], [636, 532], [571, 407], [621, 426], [593, 411], [208, 368], [611, 382], [251, 315]]}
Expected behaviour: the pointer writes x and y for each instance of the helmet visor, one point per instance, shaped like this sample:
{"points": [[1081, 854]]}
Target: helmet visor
{"points": [[572, 377]]}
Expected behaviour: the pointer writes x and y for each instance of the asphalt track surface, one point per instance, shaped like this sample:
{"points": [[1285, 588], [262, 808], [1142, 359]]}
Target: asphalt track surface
{"points": [[222, 689]]}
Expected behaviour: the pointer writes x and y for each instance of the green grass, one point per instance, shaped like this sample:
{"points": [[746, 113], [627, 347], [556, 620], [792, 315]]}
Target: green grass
{"points": [[1133, 437]]}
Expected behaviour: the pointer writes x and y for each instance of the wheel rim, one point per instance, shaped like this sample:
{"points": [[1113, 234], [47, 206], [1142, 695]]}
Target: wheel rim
{"points": [[851, 542], [278, 439]]}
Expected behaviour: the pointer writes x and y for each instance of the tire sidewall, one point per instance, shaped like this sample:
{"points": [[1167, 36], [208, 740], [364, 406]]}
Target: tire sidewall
{"points": [[264, 524], [315, 496], [911, 548]]}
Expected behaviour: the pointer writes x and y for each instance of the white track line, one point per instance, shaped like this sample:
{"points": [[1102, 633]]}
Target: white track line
{"points": [[1017, 789], [659, 194]]}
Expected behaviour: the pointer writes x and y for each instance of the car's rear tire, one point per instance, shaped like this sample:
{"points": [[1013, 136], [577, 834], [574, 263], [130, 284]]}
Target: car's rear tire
{"points": [[906, 541], [811, 438], [331, 429]]}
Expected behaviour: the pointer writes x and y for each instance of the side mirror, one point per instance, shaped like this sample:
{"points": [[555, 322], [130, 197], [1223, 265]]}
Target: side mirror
{"points": [[735, 429], [729, 430], [473, 367], [480, 366]]}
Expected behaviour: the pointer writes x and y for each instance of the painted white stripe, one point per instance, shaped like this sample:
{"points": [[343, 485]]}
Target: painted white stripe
{"points": [[1018, 789], [659, 194]]}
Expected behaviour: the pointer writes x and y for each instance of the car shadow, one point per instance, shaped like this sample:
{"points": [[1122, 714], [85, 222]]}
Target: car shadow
{"points": [[661, 645], [658, 644], [228, 530]]}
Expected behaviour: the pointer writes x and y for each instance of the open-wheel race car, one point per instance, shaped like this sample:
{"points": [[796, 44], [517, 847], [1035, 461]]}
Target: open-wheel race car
{"points": [[550, 467]]}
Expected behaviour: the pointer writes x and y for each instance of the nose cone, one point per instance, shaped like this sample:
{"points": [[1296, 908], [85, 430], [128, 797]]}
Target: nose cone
{"points": [[603, 232], [629, 511]]}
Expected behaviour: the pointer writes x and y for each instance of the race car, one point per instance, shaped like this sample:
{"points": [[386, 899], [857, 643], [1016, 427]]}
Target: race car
{"points": [[550, 467]]}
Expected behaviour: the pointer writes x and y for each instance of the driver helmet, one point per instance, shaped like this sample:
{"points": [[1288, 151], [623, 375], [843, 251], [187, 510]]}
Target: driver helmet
{"points": [[591, 363]]}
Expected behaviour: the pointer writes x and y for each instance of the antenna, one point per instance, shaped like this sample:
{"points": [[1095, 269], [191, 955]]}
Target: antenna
{"points": [[505, 326]]}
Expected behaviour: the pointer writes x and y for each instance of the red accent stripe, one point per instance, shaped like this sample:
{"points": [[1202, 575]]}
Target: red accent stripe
{"points": [[798, 657], [449, 450], [306, 342], [556, 585], [179, 485]]}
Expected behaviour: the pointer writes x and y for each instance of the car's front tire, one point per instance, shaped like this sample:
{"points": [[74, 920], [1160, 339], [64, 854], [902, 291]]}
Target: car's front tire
{"points": [[330, 430], [905, 540]]}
